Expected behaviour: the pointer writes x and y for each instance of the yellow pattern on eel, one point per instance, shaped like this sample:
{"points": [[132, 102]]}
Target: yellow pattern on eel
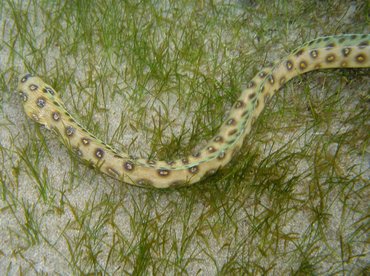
{"points": [[43, 105]]}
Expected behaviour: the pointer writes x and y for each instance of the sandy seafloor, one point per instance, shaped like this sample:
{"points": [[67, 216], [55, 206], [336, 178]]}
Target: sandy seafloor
{"points": [[51, 223]]}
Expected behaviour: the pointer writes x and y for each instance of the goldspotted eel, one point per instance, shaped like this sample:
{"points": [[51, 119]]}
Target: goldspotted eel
{"points": [[43, 105]]}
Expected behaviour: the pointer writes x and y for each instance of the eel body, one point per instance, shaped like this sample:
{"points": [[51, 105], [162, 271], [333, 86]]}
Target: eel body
{"points": [[43, 105]]}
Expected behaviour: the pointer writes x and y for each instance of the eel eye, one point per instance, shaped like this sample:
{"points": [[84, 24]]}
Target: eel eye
{"points": [[25, 77]]}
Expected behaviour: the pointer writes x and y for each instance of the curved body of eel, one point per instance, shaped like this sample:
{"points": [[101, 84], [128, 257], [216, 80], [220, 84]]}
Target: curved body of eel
{"points": [[43, 105]]}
